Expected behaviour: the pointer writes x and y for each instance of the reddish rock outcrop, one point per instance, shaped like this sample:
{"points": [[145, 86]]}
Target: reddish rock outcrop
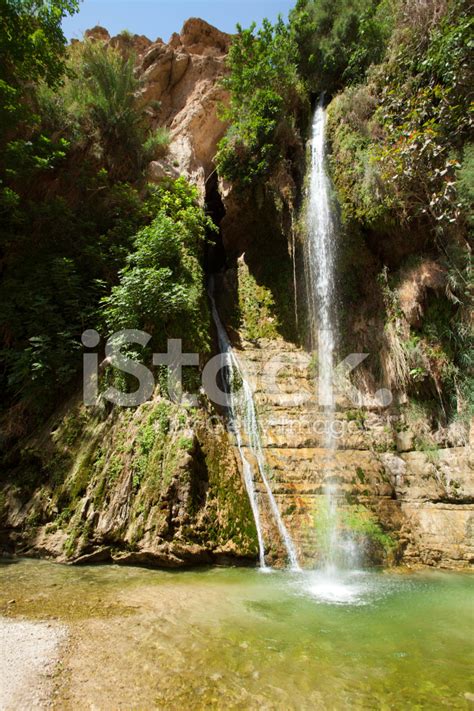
{"points": [[181, 91], [184, 76]]}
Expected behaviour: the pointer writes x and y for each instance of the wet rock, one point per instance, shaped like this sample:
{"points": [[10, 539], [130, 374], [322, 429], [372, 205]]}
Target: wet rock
{"points": [[99, 555], [424, 500]]}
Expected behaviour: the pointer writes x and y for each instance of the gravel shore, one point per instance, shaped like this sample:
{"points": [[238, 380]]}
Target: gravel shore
{"points": [[29, 652]]}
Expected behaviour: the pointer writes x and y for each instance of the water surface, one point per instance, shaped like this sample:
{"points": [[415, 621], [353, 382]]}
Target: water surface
{"points": [[242, 639]]}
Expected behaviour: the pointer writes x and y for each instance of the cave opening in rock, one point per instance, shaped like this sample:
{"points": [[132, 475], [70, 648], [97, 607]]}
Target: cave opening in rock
{"points": [[215, 259]]}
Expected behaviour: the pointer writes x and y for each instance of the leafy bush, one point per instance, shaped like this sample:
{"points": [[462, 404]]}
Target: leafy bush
{"points": [[162, 286], [32, 46], [265, 95], [156, 145], [401, 162], [339, 40], [51, 288]]}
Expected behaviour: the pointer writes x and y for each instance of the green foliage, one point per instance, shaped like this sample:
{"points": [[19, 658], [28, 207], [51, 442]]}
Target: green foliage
{"points": [[51, 288], [32, 47], [433, 359], [23, 158], [360, 189], [162, 285], [402, 166], [156, 145], [256, 306], [98, 110], [265, 90], [362, 524], [465, 181], [101, 95], [398, 141], [338, 41]]}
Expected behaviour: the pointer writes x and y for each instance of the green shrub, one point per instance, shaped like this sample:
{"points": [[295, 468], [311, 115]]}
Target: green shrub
{"points": [[338, 40], [265, 90], [157, 143], [33, 48], [398, 160], [162, 286]]}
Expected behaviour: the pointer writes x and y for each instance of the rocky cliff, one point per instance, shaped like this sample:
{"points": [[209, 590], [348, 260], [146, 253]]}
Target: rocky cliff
{"points": [[162, 485], [154, 485], [181, 91], [422, 499]]}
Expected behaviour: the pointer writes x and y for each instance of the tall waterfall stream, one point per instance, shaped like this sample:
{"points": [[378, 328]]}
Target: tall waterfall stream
{"points": [[320, 267], [244, 425]]}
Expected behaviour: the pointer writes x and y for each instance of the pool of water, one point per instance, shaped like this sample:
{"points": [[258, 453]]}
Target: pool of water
{"points": [[241, 639]]}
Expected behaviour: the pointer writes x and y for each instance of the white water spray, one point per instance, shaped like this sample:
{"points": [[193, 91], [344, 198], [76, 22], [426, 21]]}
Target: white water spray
{"points": [[243, 420], [320, 277], [320, 264]]}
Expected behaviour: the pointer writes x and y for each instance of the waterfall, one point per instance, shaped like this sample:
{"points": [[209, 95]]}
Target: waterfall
{"points": [[243, 421], [321, 262], [320, 265]]}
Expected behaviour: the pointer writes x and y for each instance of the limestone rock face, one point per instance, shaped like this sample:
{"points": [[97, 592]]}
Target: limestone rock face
{"points": [[125, 43], [201, 38], [424, 500], [416, 283], [436, 495], [181, 91], [189, 105], [157, 486]]}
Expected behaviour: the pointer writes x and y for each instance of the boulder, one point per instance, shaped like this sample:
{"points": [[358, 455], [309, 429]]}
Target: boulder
{"points": [[201, 38], [97, 34], [128, 43]]}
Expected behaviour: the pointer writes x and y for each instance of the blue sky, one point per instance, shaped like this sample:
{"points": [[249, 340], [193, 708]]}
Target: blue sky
{"points": [[160, 18]]}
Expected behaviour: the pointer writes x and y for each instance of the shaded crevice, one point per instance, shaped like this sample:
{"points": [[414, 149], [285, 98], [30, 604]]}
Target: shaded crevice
{"points": [[215, 258]]}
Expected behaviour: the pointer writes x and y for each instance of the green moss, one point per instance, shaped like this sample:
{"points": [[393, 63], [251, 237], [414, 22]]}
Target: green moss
{"points": [[357, 416], [229, 516], [71, 427], [257, 307], [356, 521], [362, 523], [149, 443], [71, 544]]}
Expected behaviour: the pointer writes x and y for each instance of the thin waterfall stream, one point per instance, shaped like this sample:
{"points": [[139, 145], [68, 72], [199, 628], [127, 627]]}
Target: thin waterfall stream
{"points": [[320, 265], [243, 423]]}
